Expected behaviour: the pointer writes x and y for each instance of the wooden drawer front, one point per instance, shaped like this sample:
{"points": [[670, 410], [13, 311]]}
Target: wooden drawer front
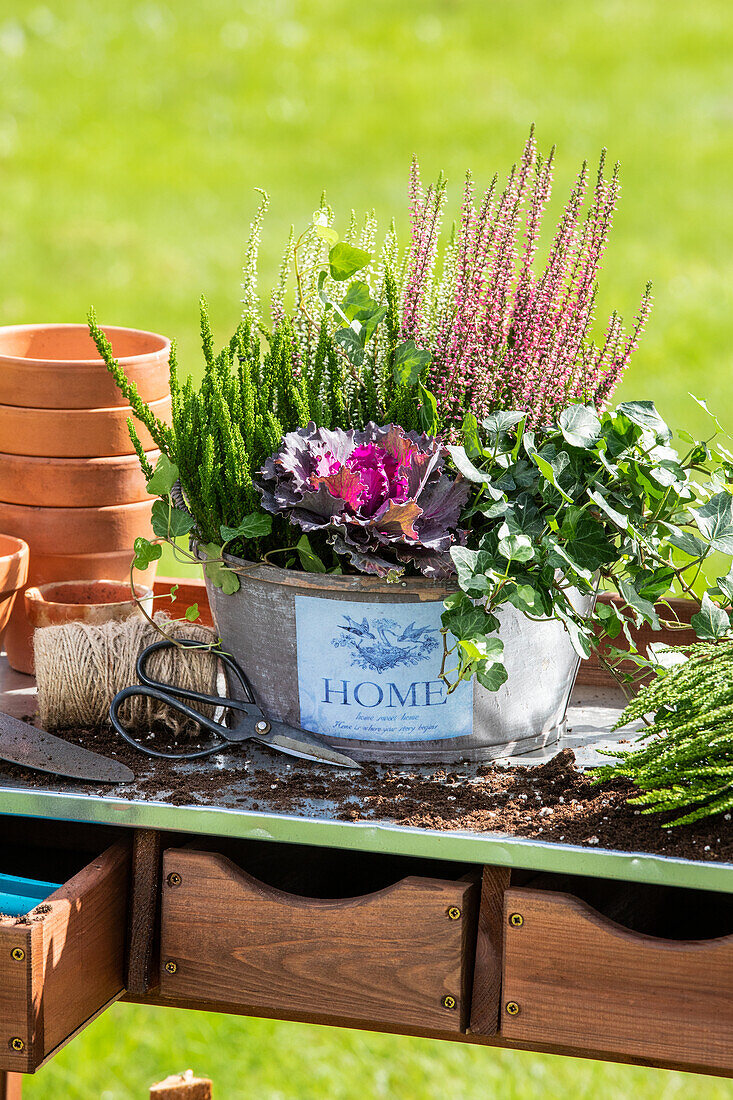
{"points": [[400, 956], [581, 981], [58, 971]]}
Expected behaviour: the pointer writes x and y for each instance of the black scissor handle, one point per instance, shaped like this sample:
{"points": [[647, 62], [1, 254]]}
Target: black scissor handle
{"points": [[194, 696], [176, 704]]}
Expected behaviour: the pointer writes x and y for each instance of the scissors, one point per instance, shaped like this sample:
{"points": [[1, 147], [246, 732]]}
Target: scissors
{"points": [[250, 723]]}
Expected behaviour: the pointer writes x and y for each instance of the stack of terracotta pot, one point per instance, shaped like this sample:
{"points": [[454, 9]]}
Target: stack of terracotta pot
{"points": [[70, 482]]}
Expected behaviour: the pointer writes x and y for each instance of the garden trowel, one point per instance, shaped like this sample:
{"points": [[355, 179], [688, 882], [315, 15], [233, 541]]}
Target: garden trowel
{"points": [[21, 743]]}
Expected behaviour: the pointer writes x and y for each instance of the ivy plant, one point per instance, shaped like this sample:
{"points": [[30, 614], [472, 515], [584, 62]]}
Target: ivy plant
{"points": [[599, 501]]}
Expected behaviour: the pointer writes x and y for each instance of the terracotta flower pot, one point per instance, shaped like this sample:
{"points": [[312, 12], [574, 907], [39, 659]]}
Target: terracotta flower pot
{"points": [[58, 366], [74, 433], [84, 530], [94, 602], [72, 482], [13, 574], [59, 567]]}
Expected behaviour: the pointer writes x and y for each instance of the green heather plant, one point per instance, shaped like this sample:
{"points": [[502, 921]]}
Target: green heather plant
{"points": [[685, 762]]}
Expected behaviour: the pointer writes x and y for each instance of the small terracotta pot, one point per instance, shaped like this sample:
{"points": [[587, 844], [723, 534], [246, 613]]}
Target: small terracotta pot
{"points": [[73, 482], [58, 366], [13, 574], [74, 433], [85, 530], [93, 602], [61, 567]]}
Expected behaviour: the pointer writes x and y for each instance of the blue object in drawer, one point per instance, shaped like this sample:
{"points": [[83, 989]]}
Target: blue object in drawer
{"points": [[19, 895]]}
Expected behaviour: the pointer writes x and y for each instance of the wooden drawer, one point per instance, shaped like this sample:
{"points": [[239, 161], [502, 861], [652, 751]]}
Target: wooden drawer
{"points": [[64, 963], [576, 979], [399, 956]]}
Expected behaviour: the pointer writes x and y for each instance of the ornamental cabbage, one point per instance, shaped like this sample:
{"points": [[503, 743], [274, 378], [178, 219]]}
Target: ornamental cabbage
{"points": [[376, 492]]}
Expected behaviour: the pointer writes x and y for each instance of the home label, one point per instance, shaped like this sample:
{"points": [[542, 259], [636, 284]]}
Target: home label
{"points": [[371, 672]]}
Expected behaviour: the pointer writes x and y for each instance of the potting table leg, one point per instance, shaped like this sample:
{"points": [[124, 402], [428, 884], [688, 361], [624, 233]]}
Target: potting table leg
{"points": [[11, 1086]]}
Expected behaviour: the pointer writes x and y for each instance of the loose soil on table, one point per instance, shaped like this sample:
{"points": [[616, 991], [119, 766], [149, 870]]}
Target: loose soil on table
{"points": [[555, 801]]}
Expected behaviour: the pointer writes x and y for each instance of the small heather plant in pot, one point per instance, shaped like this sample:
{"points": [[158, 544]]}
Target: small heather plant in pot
{"points": [[317, 438]]}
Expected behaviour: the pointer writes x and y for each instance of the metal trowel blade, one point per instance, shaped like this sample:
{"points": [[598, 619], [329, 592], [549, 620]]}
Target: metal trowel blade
{"points": [[23, 744]]}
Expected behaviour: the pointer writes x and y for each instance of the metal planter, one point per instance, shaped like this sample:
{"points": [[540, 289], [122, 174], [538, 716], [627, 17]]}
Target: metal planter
{"points": [[308, 660]]}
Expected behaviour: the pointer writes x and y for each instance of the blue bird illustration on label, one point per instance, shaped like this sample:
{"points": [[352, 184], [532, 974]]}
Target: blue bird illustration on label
{"points": [[371, 672]]}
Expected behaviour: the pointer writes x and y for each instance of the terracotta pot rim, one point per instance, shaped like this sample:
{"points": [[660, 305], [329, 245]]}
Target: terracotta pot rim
{"points": [[119, 411], [37, 594], [82, 463], [21, 548], [161, 346]]}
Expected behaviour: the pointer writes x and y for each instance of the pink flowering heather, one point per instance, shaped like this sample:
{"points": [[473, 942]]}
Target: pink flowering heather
{"points": [[501, 335], [373, 492]]}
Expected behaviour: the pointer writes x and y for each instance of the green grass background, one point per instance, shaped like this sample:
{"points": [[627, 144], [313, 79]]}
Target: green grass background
{"points": [[132, 136]]}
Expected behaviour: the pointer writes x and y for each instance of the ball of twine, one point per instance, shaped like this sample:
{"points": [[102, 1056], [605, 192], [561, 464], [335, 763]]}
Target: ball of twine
{"points": [[81, 667]]}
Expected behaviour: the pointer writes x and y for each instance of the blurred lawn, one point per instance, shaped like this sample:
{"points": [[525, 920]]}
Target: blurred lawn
{"points": [[127, 1049], [131, 139]]}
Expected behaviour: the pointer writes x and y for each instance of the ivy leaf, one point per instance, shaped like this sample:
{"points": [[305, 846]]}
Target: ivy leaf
{"points": [[715, 522], [326, 233], [470, 436], [465, 620], [615, 516], [586, 539], [218, 573], [514, 545], [480, 649], [551, 470], [352, 343], [492, 677], [169, 522], [580, 426], [645, 608], [497, 423], [191, 613], [611, 621], [428, 411], [344, 261], [146, 552], [687, 543], [703, 405], [357, 303], [371, 323], [409, 363], [309, 560], [711, 622], [165, 475], [529, 600], [725, 584], [472, 473], [645, 415], [253, 526]]}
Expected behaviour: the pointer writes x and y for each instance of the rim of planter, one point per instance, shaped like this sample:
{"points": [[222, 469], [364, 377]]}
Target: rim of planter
{"points": [[425, 587], [66, 380]]}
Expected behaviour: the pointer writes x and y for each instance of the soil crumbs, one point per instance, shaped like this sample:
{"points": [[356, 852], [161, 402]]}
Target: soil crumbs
{"points": [[555, 802]]}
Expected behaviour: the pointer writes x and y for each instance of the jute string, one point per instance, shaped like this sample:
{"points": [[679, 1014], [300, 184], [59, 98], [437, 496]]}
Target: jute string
{"points": [[80, 668]]}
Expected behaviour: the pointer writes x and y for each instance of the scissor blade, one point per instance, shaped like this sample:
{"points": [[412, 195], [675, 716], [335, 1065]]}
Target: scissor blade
{"points": [[305, 745], [23, 744]]}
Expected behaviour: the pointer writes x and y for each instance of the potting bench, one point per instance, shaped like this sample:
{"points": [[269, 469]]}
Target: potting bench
{"points": [[477, 938]]}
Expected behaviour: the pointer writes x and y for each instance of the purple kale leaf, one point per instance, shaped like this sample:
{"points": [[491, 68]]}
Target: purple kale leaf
{"points": [[381, 495]]}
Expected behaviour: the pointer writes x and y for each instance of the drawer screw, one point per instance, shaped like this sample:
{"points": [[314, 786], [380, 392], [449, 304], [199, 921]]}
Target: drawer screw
{"points": [[516, 920], [448, 1001], [174, 879], [171, 967], [512, 1008], [454, 913], [18, 954], [17, 1045]]}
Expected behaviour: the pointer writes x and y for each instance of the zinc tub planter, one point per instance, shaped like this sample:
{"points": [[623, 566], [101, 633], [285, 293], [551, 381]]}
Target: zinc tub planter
{"points": [[358, 660]]}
